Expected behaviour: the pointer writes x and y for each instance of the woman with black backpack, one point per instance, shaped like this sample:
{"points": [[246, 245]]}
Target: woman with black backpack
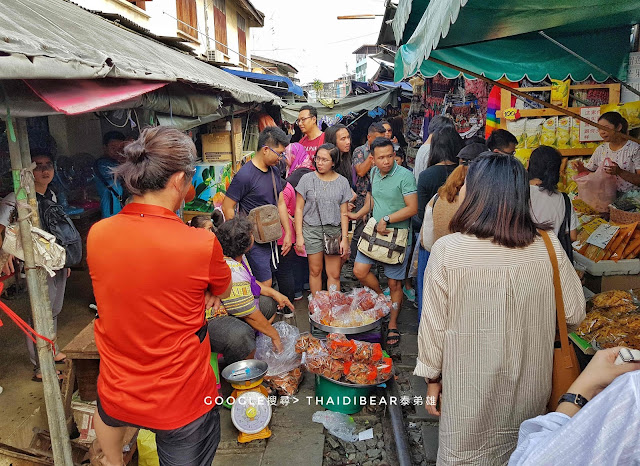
{"points": [[55, 221], [548, 205]]}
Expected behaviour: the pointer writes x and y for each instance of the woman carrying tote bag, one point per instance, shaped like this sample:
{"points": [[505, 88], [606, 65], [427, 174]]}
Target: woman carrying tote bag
{"points": [[487, 330]]}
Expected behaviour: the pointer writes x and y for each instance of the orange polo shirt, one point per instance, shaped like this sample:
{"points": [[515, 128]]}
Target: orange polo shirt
{"points": [[150, 272]]}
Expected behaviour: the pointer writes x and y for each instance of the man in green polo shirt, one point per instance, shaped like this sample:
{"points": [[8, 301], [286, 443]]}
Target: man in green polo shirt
{"points": [[393, 194]]}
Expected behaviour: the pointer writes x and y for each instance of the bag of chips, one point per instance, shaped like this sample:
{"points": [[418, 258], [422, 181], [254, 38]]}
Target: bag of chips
{"points": [[562, 132], [548, 136], [517, 128], [560, 92], [533, 130]]}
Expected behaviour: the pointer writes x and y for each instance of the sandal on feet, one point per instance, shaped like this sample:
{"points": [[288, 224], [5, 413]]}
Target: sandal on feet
{"points": [[393, 338], [38, 377]]}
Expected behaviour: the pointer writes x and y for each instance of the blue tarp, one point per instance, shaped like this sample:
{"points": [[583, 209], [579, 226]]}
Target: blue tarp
{"points": [[293, 88]]}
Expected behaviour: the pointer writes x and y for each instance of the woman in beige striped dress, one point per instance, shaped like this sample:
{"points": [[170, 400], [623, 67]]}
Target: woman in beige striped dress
{"points": [[488, 321]]}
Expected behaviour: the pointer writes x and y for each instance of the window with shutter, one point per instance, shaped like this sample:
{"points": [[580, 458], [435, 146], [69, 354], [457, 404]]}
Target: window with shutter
{"points": [[187, 16], [220, 24], [242, 39]]}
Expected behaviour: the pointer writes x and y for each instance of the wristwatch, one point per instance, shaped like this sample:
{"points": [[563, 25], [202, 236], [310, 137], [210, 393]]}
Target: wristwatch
{"points": [[386, 219], [577, 400]]}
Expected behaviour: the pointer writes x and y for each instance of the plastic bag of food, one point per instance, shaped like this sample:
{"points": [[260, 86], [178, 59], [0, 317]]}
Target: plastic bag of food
{"points": [[307, 343], [337, 297], [533, 130], [367, 352], [612, 298], [385, 368], [147, 448], [517, 128], [323, 364], [548, 136], [319, 302], [598, 189], [340, 347], [563, 132], [594, 320], [286, 384], [363, 299], [282, 362], [360, 373], [560, 92]]}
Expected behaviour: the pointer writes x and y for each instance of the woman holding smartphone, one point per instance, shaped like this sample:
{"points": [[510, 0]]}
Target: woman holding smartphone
{"points": [[321, 208]]}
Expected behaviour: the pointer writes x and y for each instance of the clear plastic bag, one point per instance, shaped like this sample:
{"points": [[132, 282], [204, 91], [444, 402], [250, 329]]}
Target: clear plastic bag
{"points": [[285, 361], [598, 189], [338, 424]]}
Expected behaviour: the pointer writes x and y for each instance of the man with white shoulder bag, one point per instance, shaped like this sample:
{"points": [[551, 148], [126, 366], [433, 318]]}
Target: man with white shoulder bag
{"points": [[386, 238]]}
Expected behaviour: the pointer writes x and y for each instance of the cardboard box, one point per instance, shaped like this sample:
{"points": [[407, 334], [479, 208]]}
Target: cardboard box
{"points": [[598, 284], [83, 416], [216, 146]]}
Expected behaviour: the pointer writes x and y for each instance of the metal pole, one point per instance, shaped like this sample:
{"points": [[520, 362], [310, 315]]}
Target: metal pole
{"points": [[592, 65], [39, 299]]}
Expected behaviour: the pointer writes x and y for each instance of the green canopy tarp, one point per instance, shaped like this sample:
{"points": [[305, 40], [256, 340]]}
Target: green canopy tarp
{"points": [[496, 37]]}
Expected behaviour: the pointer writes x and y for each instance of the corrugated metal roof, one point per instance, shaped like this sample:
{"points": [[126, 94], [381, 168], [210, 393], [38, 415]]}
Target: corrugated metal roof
{"points": [[55, 39]]}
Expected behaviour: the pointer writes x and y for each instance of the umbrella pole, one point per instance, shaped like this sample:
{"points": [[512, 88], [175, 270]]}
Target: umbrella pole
{"points": [[530, 97], [38, 292]]}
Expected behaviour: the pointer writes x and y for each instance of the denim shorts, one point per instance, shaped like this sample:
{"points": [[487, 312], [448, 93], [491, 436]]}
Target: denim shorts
{"points": [[395, 271]]}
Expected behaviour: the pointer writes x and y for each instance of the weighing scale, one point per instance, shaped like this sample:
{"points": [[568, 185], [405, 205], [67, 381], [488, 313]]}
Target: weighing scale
{"points": [[251, 411]]}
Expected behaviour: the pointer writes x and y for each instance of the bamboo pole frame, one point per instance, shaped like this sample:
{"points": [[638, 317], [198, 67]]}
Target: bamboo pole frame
{"points": [[38, 290]]}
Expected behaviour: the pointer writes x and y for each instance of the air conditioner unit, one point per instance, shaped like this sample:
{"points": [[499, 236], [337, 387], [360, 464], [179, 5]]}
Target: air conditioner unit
{"points": [[215, 55]]}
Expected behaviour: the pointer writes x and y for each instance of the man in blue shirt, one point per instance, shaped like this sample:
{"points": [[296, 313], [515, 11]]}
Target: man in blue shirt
{"points": [[110, 191]]}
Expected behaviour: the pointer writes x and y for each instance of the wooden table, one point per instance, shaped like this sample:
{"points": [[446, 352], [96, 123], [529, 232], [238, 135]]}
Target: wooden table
{"points": [[82, 366]]}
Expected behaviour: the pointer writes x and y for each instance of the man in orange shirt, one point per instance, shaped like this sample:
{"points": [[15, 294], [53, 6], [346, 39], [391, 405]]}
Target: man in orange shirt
{"points": [[153, 277]]}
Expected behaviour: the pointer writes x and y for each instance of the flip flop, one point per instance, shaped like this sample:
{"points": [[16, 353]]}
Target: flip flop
{"points": [[394, 335], [35, 377]]}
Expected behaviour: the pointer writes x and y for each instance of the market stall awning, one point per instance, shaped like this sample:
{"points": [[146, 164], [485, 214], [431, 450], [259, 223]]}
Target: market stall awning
{"points": [[73, 96], [351, 104], [55, 39], [424, 26], [258, 78]]}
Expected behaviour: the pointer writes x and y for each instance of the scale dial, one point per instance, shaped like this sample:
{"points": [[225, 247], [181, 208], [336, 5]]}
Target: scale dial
{"points": [[251, 412]]}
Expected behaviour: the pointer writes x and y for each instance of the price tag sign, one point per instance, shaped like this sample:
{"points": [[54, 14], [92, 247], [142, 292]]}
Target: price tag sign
{"points": [[511, 114], [589, 133], [602, 235]]}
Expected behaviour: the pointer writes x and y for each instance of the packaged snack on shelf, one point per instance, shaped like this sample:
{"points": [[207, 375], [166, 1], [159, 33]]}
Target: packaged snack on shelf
{"points": [[574, 134], [548, 136], [533, 131], [286, 384], [517, 128], [367, 352], [620, 242], [563, 133], [560, 92], [523, 155]]}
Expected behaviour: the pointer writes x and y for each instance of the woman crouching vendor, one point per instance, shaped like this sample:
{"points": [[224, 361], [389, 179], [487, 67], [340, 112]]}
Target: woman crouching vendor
{"points": [[250, 307]]}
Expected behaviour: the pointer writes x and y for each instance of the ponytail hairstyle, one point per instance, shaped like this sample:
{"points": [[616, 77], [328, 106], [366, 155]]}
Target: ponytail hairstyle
{"points": [[154, 157], [544, 164], [616, 120]]}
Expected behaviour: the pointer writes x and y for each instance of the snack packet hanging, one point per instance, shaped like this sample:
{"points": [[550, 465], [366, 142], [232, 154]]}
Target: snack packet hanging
{"points": [[563, 133], [560, 92], [548, 136]]}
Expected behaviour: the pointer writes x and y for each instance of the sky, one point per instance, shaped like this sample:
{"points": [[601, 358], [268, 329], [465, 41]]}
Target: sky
{"points": [[308, 35]]}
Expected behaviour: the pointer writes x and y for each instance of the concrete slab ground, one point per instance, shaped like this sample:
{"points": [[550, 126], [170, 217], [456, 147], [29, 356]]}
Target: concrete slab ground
{"points": [[22, 398]]}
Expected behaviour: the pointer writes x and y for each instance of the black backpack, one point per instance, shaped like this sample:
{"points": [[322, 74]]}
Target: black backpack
{"points": [[54, 220]]}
